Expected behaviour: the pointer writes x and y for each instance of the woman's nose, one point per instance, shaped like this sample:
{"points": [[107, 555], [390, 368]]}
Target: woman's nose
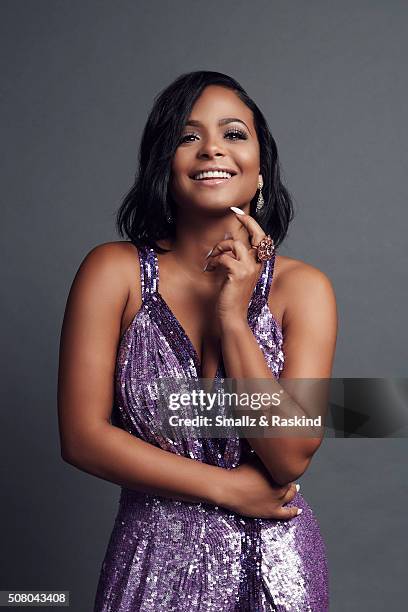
{"points": [[211, 147]]}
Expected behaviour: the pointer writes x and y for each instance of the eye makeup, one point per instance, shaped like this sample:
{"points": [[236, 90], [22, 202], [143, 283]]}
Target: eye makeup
{"points": [[240, 135]]}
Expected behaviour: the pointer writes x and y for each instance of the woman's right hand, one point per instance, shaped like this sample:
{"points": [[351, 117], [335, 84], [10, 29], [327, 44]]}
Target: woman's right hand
{"points": [[252, 492]]}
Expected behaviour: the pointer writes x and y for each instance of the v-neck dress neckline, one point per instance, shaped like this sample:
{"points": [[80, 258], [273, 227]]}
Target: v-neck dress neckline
{"points": [[259, 289]]}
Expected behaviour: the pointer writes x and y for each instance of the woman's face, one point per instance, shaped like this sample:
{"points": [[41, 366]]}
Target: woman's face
{"points": [[219, 133]]}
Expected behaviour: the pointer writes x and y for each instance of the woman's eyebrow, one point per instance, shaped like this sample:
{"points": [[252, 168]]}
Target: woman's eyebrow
{"points": [[223, 121]]}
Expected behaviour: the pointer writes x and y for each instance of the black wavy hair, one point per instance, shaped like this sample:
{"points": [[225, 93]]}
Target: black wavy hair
{"points": [[143, 214]]}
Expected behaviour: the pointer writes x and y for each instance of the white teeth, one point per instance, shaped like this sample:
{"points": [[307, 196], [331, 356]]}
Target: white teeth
{"points": [[212, 174]]}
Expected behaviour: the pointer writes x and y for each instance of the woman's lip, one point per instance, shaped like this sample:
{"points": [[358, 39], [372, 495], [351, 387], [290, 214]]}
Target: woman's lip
{"points": [[213, 181]]}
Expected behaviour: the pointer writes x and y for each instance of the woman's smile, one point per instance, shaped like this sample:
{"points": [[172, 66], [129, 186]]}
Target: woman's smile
{"points": [[213, 176], [213, 181]]}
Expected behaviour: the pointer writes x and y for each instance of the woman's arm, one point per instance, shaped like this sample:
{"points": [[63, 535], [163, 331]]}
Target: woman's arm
{"points": [[88, 348], [310, 331]]}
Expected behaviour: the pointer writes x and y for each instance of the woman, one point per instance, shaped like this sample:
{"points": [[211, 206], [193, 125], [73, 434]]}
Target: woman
{"points": [[214, 524]]}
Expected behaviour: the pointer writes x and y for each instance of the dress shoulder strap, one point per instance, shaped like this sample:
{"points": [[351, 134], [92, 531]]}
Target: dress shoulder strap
{"points": [[149, 273], [261, 291], [265, 280]]}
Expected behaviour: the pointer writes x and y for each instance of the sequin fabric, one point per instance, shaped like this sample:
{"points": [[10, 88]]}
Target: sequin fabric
{"points": [[171, 556]]}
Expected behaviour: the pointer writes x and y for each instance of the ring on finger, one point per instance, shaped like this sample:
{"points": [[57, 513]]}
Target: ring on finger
{"points": [[265, 249]]}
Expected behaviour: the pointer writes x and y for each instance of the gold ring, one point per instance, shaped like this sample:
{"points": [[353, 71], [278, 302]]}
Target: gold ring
{"points": [[265, 249]]}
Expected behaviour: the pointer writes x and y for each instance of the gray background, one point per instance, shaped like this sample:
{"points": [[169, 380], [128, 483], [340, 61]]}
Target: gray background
{"points": [[78, 80]]}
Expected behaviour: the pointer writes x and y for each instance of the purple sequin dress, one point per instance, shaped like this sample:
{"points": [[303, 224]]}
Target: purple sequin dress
{"points": [[171, 556]]}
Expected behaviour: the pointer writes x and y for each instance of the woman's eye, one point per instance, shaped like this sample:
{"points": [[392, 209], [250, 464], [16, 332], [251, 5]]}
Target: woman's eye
{"points": [[184, 138], [231, 134], [239, 133]]}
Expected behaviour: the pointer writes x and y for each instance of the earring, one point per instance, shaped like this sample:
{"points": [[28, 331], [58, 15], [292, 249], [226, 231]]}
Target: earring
{"points": [[260, 201]]}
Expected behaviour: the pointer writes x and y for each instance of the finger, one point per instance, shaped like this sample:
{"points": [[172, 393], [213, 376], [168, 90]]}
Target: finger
{"points": [[227, 261], [221, 247], [290, 494], [282, 491], [236, 246], [239, 253], [287, 513], [255, 231], [228, 247], [245, 255]]}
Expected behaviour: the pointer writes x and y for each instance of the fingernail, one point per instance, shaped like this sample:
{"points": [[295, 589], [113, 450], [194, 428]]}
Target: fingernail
{"points": [[209, 253], [300, 510], [205, 267], [297, 487], [237, 210]]}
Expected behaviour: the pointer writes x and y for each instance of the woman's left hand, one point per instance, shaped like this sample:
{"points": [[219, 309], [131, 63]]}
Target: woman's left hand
{"points": [[242, 271]]}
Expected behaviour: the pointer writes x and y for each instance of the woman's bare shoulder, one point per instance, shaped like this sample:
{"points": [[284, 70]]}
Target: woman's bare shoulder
{"points": [[299, 285], [291, 273], [117, 251], [111, 267], [117, 256]]}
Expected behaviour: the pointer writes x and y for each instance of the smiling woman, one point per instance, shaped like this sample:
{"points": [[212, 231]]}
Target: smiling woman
{"points": [[210, 523]]}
